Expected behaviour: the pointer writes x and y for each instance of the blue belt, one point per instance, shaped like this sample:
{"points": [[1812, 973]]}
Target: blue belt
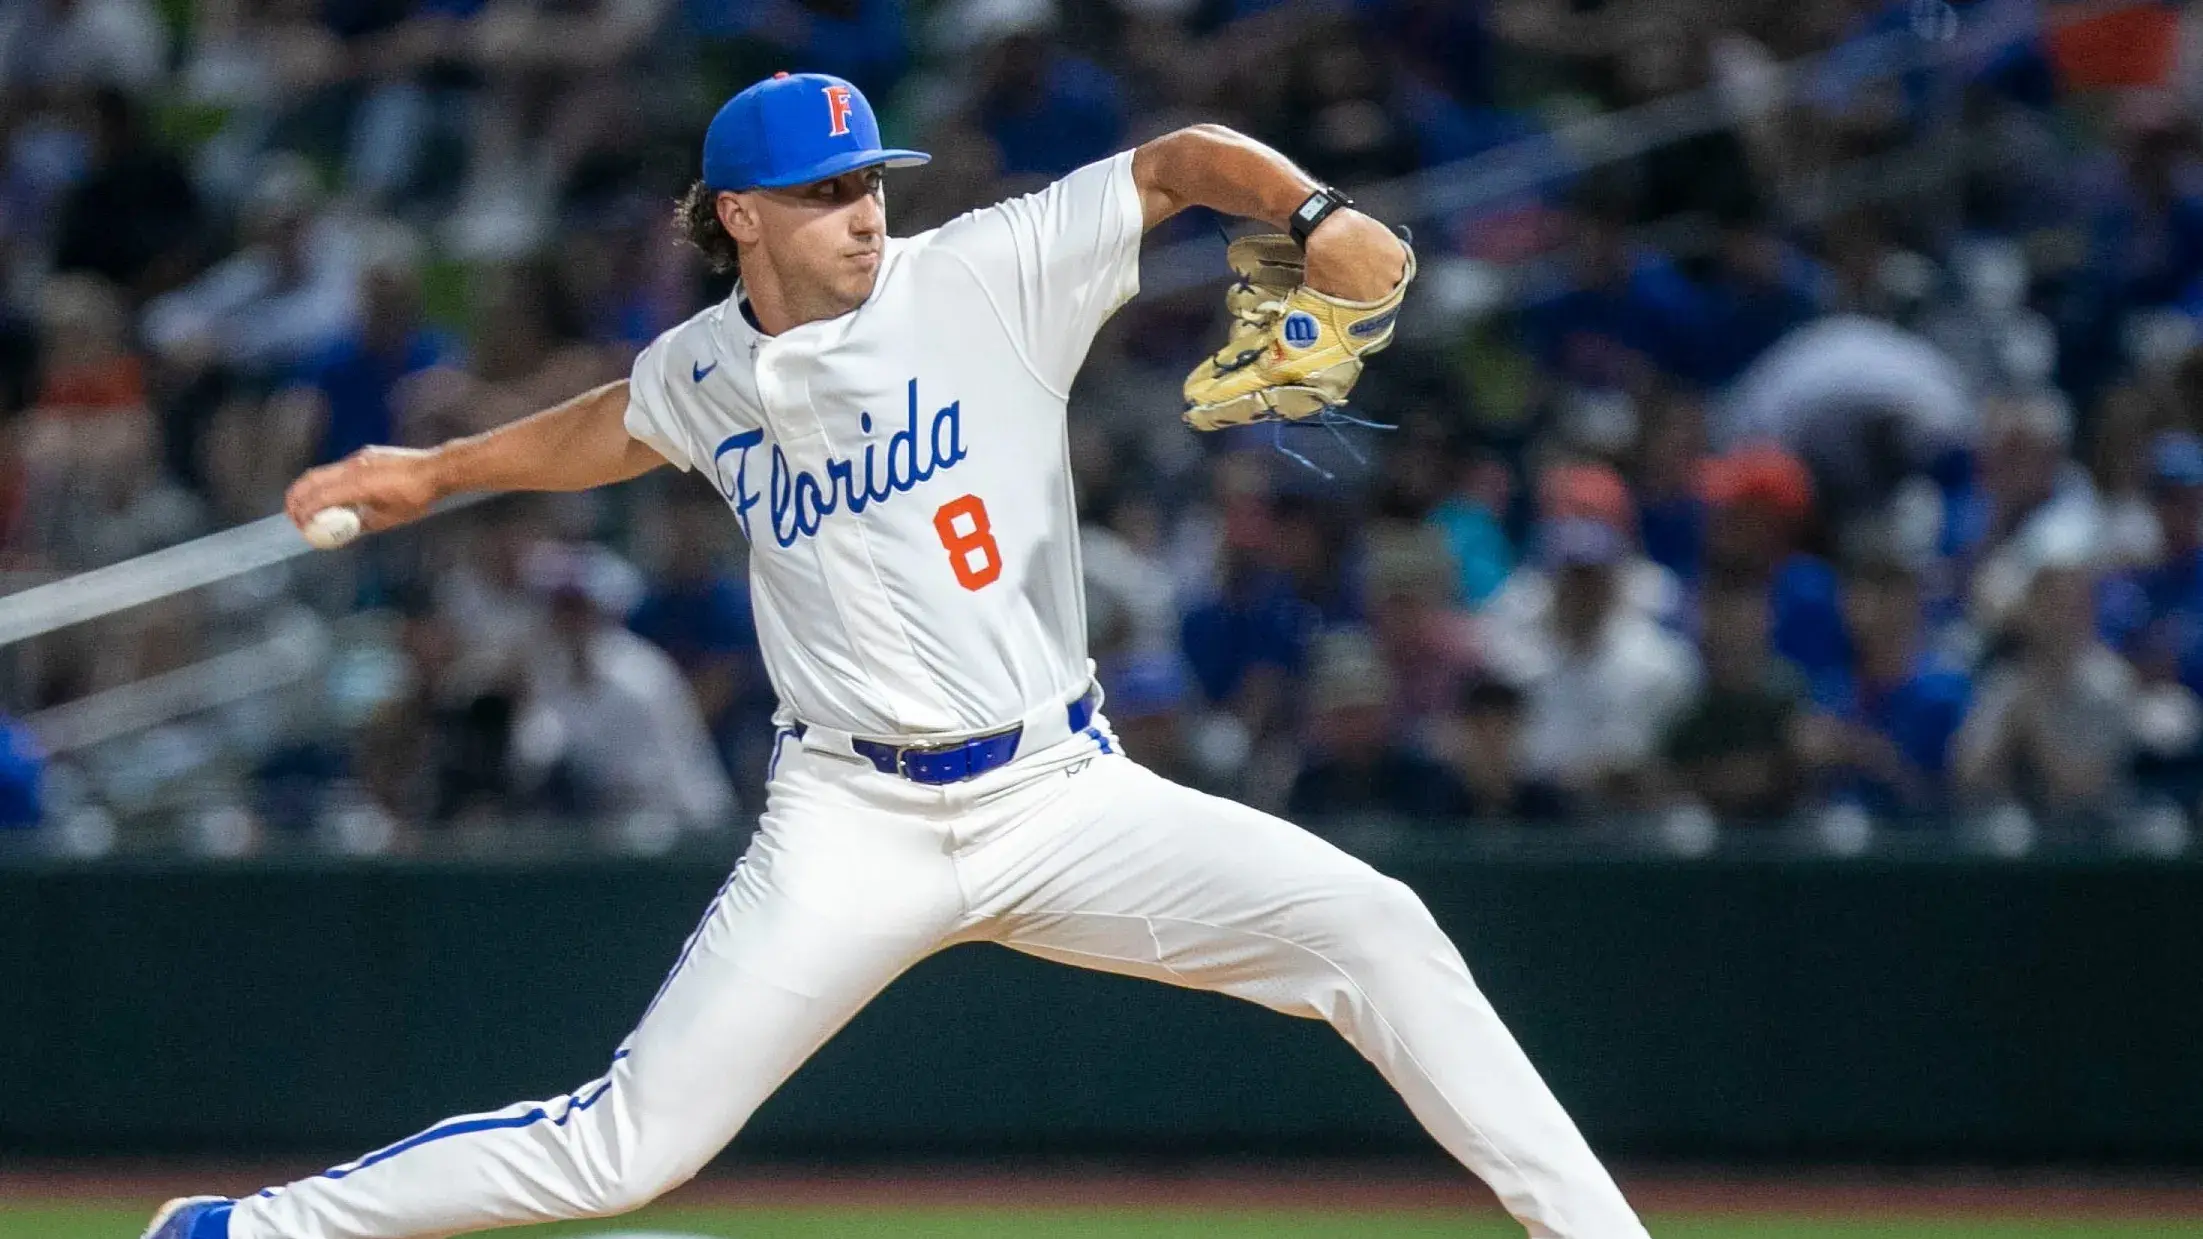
{"points": [[965, 759]]}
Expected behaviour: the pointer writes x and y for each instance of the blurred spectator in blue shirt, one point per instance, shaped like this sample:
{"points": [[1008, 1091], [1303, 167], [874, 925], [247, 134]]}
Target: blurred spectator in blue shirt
{"points": [[22, 776], [2154, 614], [2142, 209], [699, 613], [1256, 621], [1469, 518], [1444, 42], [2148, 231], [1882, 725], [1622, 317], [1758, 292], [866, 41], [1279, 582], [1049, 111], [1212, 15], [2005, 53], [354, 390]]}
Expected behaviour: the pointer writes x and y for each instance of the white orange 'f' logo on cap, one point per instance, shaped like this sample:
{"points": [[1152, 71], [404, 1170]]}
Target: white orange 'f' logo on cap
{"points": [[838, 106]]}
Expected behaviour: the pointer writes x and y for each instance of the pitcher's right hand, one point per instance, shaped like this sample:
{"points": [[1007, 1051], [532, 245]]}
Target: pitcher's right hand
{"points": [[387, 486]]}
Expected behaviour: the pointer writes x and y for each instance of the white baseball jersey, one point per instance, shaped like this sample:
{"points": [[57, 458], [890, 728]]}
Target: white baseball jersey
{"points": [[900, 471]]}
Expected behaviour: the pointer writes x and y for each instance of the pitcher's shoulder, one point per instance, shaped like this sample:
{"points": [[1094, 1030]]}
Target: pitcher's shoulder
{"points": [[920, 249], [692, 349], [974, 235], [703, 324]]}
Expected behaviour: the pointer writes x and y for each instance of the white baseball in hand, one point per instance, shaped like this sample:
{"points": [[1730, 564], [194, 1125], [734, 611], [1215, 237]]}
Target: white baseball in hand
{"points": [[331, 528]]}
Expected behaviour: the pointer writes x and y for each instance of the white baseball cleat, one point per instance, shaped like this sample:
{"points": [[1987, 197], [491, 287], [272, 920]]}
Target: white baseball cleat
{"points": [[192, 1217]]}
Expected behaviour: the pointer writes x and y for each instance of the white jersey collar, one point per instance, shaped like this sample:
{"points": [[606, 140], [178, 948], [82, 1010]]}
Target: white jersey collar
{"points": [[735, 313]]}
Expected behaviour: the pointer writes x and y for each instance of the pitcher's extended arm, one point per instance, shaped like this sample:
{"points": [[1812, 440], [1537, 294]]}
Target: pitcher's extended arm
{"points": [[577, 445]]}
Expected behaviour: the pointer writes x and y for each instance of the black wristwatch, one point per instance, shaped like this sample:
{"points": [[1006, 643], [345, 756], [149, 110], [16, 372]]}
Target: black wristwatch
{"points": [[1317, 209]]}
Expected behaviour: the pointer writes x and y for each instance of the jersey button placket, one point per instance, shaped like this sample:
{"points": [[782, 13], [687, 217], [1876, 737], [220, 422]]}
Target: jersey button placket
{"points": [[767, 367]]}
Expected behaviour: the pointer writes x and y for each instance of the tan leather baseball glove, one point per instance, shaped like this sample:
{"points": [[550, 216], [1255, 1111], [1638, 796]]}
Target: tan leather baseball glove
{"points": [[1293, 352]]}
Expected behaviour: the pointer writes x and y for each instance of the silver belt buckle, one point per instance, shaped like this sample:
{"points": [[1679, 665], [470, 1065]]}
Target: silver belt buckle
{"points": [[902, 755]]}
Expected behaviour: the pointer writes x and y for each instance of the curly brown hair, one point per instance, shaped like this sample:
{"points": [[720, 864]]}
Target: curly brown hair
{"points": [[696, 218]]}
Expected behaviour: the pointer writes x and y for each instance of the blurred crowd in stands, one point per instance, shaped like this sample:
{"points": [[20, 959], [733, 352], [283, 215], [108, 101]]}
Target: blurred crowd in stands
{"points": [[1837, 449]]}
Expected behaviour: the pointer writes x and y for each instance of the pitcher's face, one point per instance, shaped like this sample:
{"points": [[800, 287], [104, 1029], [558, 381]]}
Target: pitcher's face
{"points": [[823, 241]]}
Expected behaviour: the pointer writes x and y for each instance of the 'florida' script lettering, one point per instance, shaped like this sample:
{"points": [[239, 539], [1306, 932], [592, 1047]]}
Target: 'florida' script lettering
{"points": [[796, 500]]}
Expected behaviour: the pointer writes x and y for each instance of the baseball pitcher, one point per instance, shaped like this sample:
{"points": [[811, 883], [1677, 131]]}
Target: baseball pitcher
{"points": [[885, 419]]}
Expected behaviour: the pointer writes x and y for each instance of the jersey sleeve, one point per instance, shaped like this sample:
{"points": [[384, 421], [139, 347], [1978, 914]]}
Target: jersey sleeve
{"points": [[650, 415], [1056, 264]]}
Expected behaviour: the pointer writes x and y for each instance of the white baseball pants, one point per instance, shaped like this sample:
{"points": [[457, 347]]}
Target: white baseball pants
{"points": [[1073, 854]]}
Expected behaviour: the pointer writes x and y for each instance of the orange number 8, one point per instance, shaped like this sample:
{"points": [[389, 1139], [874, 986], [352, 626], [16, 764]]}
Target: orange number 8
{"points": [[965, 531]]}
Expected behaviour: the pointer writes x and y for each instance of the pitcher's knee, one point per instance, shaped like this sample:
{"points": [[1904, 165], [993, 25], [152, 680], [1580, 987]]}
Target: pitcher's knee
{"points": [[1371, 946], [631, 1192], [641, 1178], [629, 1158], [1371, 917]]}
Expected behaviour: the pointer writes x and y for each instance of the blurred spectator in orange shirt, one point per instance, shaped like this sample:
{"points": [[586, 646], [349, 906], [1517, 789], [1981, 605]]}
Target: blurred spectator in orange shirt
{"points": [[89, 415], [1759, 504]]}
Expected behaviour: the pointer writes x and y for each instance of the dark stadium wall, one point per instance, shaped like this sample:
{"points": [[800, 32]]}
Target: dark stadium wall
{"points": [[1761, 1009]]}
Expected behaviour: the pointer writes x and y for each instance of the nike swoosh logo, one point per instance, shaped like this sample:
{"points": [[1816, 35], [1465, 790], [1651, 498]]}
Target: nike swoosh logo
{"points": [[698, 372]]}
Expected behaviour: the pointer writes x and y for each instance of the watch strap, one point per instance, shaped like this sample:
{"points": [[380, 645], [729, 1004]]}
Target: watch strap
{"points": [[1314, 211]]}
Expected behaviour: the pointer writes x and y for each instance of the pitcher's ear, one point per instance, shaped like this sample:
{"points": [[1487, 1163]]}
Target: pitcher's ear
{"points": [[738, 215]]}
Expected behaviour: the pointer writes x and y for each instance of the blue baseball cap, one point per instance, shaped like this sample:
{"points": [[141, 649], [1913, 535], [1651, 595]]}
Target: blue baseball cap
{"points": [[792, 129]]}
